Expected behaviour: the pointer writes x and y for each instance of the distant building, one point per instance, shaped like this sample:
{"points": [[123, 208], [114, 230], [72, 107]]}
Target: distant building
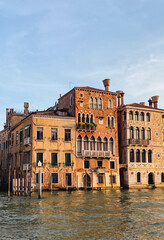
{"points": [[12, 118], [141, 144]]}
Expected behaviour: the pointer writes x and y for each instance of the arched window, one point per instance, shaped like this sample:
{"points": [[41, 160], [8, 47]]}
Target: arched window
{"points": [[130, 115], [83, 118], [79, 117], [111, 145], [148, 117], [105, 144], [112, 122], [100, 103], [99, 144], [91, 118], [131, 155], [92, 143], [136, 116], [131, 133], [109, 122], [124, 115], [86, 143], [96, 103], [138, 177], [91, 102], [137, 133], [142, 116], [149, 133], [143, 156], [87, 118], [150, 156], [162, 177], [71, 100], [142, 133], [138, 155], [79, 144], [110, 103]]}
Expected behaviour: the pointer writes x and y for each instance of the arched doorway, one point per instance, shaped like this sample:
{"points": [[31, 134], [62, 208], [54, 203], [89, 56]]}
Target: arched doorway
{"points": [[150, 178], [87, 181]]}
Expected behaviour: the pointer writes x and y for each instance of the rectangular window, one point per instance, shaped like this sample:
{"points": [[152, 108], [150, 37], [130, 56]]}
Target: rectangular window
{"points": [[54, 159], [37, 178], [67, 135], [54, 134], [112, 165], [86, 164], [54, 177], [27, 157], [67, 159], [112, 179], [20, 159], [16, 138], [15, 160], [100, 178], [99, 163], [12, 139], [39, 133], [27, 131], [21, 136], [39, 157], [68, 179]]}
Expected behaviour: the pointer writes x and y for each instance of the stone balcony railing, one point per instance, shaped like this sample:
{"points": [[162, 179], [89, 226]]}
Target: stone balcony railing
{"points": [[93, 153], [100, 170], [27, 141], [143, 142]]}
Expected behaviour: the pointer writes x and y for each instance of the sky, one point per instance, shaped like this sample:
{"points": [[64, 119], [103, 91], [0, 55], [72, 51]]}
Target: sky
{"points": [[48, 47]]}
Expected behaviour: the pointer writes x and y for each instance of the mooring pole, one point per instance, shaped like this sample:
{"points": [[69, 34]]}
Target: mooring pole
{"points": [[9, 184], [40, 184], [26, 186]]}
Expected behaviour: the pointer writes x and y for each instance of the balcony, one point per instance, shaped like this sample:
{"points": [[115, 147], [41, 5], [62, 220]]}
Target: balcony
{"points": [[143, 142], [100, 170], [26, 166], [90, 127], [101, 154], [27, 141]]}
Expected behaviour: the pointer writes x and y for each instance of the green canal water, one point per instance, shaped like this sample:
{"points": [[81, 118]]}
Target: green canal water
{"points": [[125, 214]]}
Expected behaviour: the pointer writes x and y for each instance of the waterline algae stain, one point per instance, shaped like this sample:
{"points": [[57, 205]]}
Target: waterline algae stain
{"points": [[127, 214]]}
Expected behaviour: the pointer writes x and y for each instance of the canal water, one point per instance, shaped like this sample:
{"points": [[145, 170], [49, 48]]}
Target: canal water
{"points": [[117, 214]]}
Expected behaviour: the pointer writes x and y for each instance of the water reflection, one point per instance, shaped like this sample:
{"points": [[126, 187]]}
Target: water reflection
{"points": [[127, 214]]}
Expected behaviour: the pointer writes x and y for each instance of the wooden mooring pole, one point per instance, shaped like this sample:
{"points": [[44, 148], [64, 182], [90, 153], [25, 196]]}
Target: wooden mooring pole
{"points": [[40, 184], [9, 184]]}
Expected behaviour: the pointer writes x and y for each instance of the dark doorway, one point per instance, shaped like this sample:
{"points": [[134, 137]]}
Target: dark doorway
{"points": [[150, 178], [87, 181], [68, 179], [122, 177]]}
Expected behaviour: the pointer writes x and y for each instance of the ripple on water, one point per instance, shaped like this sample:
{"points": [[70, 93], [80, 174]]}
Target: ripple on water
{"points": [[116, 214]]}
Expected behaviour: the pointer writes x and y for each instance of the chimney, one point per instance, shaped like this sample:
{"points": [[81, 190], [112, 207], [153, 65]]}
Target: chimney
{"points": [[106, 83], [120, 96], [26, 106], [142, 103], [150, 102], [155, 101], [7, 113]]}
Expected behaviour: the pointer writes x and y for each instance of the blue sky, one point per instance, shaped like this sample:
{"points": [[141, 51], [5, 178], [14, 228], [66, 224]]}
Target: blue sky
{"points": [[48, 47]]}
